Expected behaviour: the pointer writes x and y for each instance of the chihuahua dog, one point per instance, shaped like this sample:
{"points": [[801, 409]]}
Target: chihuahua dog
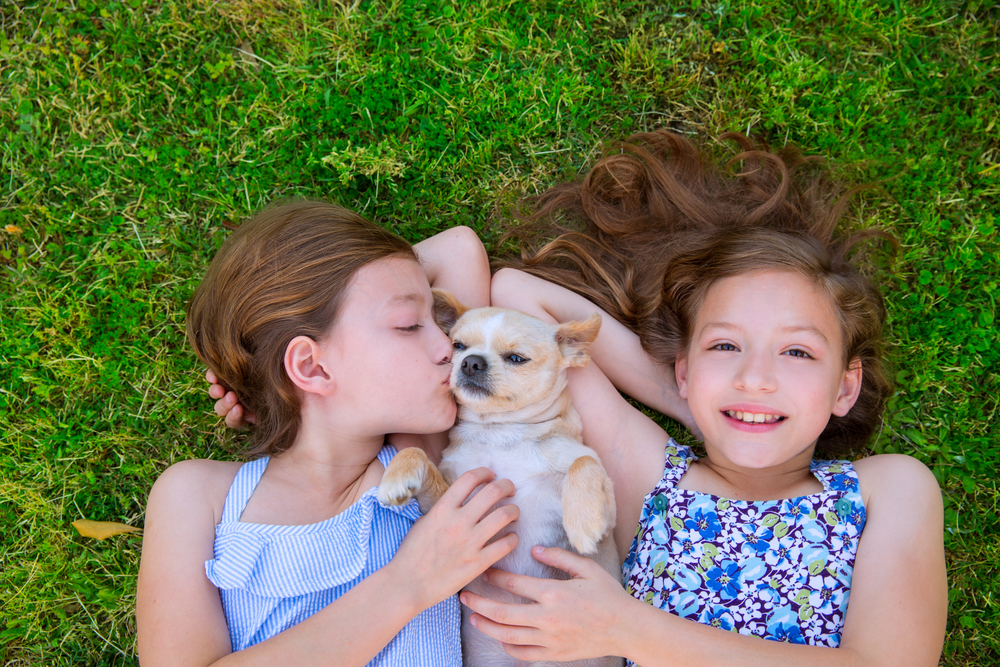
{"points": [[515, 417]]}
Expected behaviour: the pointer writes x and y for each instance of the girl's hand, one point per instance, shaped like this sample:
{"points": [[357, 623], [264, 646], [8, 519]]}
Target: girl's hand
{"points": [[450, 545], [571, 620], [228, 405]]}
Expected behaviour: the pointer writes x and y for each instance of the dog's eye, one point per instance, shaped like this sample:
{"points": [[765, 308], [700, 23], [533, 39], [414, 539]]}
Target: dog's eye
{"points": [[458, 346], [516, 358]]}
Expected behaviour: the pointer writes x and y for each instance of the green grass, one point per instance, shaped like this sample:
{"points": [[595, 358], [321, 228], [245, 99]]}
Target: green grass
{"points": [[133, 134]]}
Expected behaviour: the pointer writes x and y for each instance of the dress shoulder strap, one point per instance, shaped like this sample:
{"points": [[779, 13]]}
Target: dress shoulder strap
{"points": [[678, 458], [243, 487], [841, 478], [836, 475]]}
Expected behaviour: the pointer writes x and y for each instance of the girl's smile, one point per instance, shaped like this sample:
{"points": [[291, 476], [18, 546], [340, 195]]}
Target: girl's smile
{"points": [[765, 371], [753, 418]]}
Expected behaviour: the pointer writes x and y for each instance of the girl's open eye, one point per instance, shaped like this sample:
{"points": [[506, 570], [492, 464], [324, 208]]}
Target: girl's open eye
{"points": [[458, 345], [798, 354], [725, 347], [412, 328], [515, 358]]}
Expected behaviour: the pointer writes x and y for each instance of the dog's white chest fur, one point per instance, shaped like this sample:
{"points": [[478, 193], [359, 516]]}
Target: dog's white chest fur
{"points": [[538, 470], [536, 460]]}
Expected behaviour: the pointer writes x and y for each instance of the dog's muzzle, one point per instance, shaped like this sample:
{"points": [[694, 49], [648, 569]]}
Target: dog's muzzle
{"points": [[475, 374], [474, 365]]}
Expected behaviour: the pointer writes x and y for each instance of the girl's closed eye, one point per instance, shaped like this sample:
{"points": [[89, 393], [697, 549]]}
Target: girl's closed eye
{"points": [[413, 328]]}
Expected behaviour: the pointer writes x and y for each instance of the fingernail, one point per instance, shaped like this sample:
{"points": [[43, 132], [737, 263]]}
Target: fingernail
{"points": [[538, 551], [463, 599], [474, 621], [486, 577]]}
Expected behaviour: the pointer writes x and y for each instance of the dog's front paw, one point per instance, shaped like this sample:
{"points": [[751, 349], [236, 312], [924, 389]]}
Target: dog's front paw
{"points": [[398, 485], [588, 505], [585, 527]]}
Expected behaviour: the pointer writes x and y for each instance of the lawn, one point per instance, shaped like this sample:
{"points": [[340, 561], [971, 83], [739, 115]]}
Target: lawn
{"points": [[134, 135]]}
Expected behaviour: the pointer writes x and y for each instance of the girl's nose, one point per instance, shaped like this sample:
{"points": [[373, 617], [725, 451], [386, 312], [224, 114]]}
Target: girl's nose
{"points": [[440, 346], [756, 373]]}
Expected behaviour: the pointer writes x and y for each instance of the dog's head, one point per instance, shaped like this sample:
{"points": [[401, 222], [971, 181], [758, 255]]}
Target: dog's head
{"points": [[505, 361]]}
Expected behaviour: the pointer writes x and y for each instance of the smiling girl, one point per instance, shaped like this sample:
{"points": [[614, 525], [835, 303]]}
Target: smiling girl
{"points": [[322, 322], [739, 298]]}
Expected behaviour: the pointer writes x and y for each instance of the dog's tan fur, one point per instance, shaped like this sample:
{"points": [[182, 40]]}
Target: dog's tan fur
{"points": [[588, 488], [427, 483], [515, 417]]}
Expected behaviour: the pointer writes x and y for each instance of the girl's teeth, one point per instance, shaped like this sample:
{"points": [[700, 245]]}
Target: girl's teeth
{"points": [[751, 418]]}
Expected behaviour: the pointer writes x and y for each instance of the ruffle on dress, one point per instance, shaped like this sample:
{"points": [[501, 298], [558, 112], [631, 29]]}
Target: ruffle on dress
{"points": [[273, 561]]}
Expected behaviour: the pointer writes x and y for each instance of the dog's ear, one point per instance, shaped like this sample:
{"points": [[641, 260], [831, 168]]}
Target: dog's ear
{"points": [[575, 337], [447, 309]]}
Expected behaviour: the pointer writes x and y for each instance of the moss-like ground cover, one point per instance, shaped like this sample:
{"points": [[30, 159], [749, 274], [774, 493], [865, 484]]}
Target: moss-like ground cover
{"points": [[134, 134]]}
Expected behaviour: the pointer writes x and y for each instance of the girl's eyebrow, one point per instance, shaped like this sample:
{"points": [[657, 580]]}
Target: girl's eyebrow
{"points": [[720, 325], [401, 299], [797, 328], [806, 328]]}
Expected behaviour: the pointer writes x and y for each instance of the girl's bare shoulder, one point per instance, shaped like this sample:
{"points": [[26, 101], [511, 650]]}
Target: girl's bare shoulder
{"points": [[198, 485], [895, 477]]}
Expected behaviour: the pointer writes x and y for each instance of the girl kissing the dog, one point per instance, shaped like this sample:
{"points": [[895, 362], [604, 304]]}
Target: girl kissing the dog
{"points": [[323, 323]]}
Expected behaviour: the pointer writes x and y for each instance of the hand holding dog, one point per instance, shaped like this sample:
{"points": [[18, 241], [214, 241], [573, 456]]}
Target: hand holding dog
{"points": [[571, 619], [449, 546]]}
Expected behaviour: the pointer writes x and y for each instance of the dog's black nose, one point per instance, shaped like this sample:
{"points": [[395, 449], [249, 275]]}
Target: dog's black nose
{"points": [[474, 365]]}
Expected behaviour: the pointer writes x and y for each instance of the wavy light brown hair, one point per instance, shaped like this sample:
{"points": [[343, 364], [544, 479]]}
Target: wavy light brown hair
{"points": [[656, 222], [283, 273]]}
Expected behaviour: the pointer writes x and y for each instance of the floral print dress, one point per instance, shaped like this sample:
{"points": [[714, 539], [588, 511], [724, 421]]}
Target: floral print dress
{"points": [[777, 569]]}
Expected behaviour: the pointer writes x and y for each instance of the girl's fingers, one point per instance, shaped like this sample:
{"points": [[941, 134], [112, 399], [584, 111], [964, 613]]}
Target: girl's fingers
{"points": [[496, 550], [491, 524], [509, 635], [499, 612], [234, 418], [464, 485], [225, 404], [574, 565], [489, 496], [518, 584], [210, 376], [526, 653]]}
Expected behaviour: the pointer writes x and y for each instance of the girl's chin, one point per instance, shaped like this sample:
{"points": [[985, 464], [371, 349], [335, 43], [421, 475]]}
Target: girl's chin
{"points": [[444, 419], [752, 456]]}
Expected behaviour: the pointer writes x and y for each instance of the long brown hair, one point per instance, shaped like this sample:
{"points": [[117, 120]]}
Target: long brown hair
{"points": [[281, 274], [657, 221]]}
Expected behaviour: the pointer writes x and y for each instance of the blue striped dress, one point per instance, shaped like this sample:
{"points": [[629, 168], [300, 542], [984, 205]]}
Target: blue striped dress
{"points": [[272, 577]]}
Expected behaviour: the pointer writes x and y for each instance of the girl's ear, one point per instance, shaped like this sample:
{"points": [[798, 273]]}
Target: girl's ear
{"points": [[307, 368], [850, 389], [681, 374]]}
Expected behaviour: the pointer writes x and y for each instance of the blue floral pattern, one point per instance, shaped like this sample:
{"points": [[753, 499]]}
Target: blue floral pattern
{"points": [[777, 569]]}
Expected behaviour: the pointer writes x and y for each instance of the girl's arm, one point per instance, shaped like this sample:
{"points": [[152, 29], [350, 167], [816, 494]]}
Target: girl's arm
{"points": [[456, 260], [896, 615], [179, 614], [453, 260], [617, 351]]}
